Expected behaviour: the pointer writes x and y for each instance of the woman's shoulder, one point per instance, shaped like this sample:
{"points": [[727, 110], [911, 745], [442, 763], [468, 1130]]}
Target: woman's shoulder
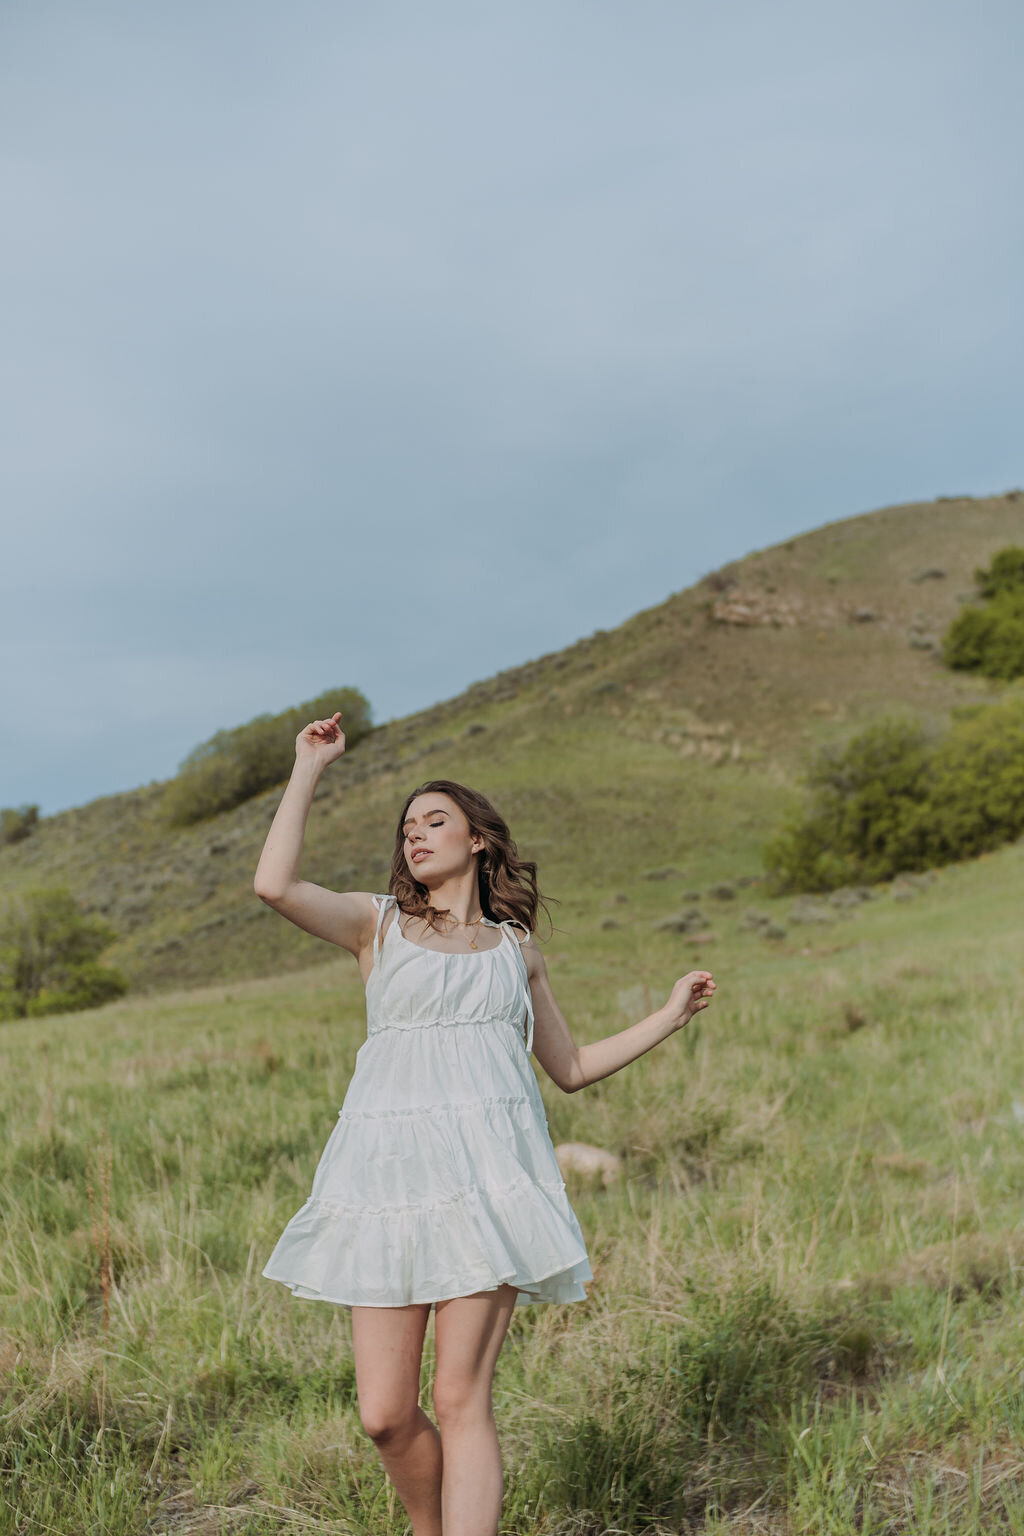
{"points": [[526, 940], [387, 908], [533, 957]]}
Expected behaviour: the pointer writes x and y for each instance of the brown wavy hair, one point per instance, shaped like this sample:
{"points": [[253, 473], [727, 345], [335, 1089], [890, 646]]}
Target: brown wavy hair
{"points": [[508, 884]]}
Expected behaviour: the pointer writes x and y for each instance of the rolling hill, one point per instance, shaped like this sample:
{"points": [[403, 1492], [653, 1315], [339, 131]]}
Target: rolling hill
{"points": [[671, 743]]}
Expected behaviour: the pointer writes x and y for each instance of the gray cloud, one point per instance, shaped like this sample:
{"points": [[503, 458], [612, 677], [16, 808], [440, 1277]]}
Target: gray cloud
{"points": [[348, 340]]}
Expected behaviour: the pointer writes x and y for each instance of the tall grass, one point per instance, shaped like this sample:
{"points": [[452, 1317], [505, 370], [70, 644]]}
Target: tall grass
{"points": [[806, 1308]]}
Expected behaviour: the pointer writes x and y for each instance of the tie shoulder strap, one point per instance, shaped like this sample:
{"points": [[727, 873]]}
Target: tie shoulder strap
{"points": [[516, 930], [382, 904], [519, 933]]}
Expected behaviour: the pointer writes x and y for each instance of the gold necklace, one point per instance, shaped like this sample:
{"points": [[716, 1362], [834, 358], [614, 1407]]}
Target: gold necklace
{"points": [[476, 924]]}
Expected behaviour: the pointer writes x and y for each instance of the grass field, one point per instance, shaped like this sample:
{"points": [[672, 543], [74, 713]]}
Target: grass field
{"points": [[806, 1308]]}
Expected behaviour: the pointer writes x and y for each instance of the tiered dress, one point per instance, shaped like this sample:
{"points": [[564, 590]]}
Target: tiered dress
{"points": [[439, 1178]]}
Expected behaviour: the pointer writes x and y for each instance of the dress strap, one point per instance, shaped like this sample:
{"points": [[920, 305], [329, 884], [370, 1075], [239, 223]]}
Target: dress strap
{"points": [[382, 903], [517, 934]]}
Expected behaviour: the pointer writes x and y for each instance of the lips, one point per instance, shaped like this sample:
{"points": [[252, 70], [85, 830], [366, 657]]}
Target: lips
{"points": [[421, 853]]}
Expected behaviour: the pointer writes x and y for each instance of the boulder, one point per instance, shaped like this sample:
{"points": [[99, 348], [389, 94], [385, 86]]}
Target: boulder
{"points": [[589, 1162], [680, 922], [754, 919], [748, 608], [809, 911]]}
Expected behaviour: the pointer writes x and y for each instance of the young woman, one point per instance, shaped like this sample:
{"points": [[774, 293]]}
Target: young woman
{"points": [[439, 1186]]}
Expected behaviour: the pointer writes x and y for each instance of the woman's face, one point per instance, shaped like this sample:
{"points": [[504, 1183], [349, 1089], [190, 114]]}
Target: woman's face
{"points": [[438, 841]]}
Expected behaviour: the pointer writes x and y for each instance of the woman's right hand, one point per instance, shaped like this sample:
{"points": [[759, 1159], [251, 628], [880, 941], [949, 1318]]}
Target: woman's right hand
{"points": [[321, 741], [690, 994]]}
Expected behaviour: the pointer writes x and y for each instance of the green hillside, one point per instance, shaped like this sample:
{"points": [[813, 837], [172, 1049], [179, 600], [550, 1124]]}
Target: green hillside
{"points": [[805, 1314], [672, 742]]}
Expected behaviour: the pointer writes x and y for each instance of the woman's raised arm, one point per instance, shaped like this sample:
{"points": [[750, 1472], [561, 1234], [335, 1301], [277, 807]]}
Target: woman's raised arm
{"points": [[346, 918], [573, 1066]]}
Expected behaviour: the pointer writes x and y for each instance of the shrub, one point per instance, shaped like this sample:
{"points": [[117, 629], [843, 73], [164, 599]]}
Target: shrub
{"points": [[976, 784], [16, 825], [990, 640], [1005, 574], [241, 762], [862, 822], [48, 956], [894, 800]]}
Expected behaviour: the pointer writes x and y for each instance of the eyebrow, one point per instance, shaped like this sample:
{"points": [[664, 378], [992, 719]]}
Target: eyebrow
{"points": [[438, 812]]}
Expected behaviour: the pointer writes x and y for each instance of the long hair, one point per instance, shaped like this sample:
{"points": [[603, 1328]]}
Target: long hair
{"points": [[508, 884]]}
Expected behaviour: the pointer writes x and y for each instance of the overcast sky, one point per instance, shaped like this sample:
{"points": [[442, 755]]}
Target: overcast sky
{"points": [[392, 345]]}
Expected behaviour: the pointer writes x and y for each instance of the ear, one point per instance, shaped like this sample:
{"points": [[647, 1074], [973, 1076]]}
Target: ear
{"points": [[477, 845]]}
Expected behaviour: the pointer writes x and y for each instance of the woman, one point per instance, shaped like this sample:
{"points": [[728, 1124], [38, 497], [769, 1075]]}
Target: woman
{"points": [[439, 1185]]}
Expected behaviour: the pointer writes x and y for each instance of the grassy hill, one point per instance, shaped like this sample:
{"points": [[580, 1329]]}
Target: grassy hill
{"points": [[673, 741], [805, 1316]]}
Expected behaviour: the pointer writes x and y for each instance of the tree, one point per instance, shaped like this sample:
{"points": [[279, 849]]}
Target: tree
{"points": [[895, 799], [49, 953], [990, 639], [863, 819], [236, 764], [1005, 574], [16, 825]]}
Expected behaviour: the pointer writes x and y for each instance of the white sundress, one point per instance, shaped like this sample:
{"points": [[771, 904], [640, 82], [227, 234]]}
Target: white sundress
{"points": [[439, 1178]]}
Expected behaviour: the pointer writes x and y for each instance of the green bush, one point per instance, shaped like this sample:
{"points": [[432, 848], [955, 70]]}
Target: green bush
{"points": [[241, 762], [1005, 574], [976, 784], [48, 956], [862, 824], [894, 799], [990, 640], [15, 825]]}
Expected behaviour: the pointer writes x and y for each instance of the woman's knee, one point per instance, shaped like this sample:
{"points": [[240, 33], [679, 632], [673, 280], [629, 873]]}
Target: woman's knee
{"points": [[388, 1344], [388, 1420], [459, 1398]]}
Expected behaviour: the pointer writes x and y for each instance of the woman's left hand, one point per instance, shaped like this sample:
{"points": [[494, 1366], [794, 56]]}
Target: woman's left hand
{"points": [[690, 994]]}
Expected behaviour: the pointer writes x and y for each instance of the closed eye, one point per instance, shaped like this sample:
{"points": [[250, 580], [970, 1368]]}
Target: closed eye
{"points": [[429, 824]]}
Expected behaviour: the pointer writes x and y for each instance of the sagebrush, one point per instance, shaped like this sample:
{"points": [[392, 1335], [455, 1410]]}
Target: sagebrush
{"points": [[899, 798], [49, 956], [990, 639], [236, 764]]}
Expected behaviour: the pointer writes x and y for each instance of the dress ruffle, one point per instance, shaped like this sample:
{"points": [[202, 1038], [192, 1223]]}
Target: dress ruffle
{"points": [[472, 1241]]}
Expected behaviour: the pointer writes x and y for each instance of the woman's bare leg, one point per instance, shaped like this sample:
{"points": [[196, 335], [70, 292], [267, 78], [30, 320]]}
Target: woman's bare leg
{"points": [[388, 1347], [469, 1332]]}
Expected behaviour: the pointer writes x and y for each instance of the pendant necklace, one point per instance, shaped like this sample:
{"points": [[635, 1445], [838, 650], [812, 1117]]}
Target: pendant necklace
{"points": [[472, 943]]}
